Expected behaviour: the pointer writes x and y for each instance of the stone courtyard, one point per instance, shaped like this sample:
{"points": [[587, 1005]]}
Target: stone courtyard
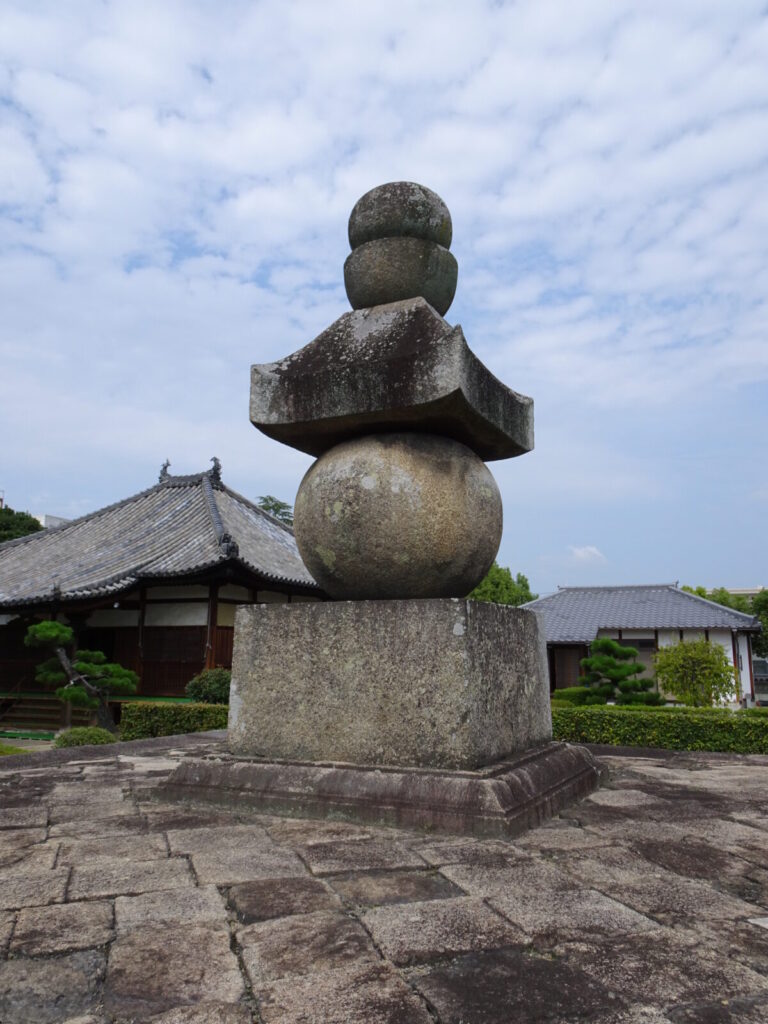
{"points": [[646, 903]]}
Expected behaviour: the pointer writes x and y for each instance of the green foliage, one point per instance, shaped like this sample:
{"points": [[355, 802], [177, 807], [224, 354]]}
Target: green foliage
{"points": [[87, 680], [280, 510], [608, 672], [719, 729], [697, 672], [6, 750], [16, 524], [756, 605], [48, 634], [760, 609], [500, 587], [83, 736], [583, 695], [141, 720], [211, 686]]}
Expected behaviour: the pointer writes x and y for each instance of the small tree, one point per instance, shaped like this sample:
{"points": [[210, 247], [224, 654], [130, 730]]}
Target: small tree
{"points": [[16, 524], [278, 509], [697, 672], [89, 679], [760, 609], [611, 666], [500, 587]]}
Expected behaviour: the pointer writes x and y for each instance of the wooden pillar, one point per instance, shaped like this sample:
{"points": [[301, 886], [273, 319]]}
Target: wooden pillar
{"points": [[213, 614]]}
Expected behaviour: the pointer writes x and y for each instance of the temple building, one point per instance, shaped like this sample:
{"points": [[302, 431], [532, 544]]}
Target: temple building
{"points": [[153, 581]]}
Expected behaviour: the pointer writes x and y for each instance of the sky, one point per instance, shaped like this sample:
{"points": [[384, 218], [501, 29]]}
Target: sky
{"points": [[175, 185]]}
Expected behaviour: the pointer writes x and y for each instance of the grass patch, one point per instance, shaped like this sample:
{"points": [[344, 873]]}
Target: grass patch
{"points": [[5, 750]]}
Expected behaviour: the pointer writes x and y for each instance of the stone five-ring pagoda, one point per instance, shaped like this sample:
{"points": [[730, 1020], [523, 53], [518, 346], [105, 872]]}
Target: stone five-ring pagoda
{"points": [[400, 700]]}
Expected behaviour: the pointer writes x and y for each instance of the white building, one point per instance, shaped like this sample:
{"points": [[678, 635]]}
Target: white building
{"points": [[644, 617]]}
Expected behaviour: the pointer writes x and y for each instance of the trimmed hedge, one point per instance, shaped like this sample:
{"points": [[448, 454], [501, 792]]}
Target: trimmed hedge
{"points": [[140, 720], [716, 729], [84, 736]]}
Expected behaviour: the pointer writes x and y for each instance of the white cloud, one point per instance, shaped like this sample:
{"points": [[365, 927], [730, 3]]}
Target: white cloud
{"points": [[176, 180], [586, 555]]}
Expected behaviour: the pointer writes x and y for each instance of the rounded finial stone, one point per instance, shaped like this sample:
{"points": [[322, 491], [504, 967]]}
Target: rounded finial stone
{"points": [[399, 515], [400, 208], [400, 235]]}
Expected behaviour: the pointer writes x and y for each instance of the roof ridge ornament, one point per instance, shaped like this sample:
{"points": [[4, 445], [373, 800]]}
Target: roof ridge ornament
{"points": [[164, 474], [215, 472]]}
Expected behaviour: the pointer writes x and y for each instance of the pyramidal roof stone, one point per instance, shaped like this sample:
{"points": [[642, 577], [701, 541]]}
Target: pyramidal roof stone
{"points": [[398, 366]]}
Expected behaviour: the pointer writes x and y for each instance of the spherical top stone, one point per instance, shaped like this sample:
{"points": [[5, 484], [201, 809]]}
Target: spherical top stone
{"points": [[400, 208]]}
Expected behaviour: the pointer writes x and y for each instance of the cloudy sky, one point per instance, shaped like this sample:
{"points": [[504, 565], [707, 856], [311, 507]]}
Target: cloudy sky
{"points": [[175, 183]]}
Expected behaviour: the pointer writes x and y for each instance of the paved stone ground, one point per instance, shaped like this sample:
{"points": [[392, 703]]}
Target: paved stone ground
{"points": [[645, 904]]}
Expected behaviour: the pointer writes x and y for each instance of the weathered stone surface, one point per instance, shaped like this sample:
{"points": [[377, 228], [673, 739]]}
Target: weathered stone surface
{"points": [[398, 516], [373, 993], [33, 889], [23, 817], [126, 878], [133, 847], [62, 928], [280, 897], [400, 208], [501, 800], [152, 970], [50, 991], [506, 985], [417, 932], [199, 906], [359, 854], [681, 968], [6, 927], [232, 866], [381, 888], [442, 683], [205, 1013], [395, 367], [305, 944], [551, 917], [388, 270]]}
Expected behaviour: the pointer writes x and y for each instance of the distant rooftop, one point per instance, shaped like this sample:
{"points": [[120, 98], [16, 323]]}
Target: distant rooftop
{"points": [[180, 526], [575, 614]]}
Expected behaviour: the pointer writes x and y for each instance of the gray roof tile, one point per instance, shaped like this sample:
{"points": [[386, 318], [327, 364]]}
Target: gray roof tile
{"points": [[180, 526], [575, 614]]}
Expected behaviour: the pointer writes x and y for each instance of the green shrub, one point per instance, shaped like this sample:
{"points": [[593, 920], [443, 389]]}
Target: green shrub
{"points": [[716, 729], [211, 686], [84, 736], [142, 720], [583, 694]]}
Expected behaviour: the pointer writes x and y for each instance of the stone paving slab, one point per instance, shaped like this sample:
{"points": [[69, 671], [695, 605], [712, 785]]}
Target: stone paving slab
{"points": [[305, 944], [46, 991], [187, 905], [121, 877], [63, 928], [154, 969], [378, 888], [635, 907], [269, 898], [417, 932]]}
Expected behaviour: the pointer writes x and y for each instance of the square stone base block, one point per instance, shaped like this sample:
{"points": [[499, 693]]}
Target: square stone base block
{"points": [[502, 800], [439, 683]]}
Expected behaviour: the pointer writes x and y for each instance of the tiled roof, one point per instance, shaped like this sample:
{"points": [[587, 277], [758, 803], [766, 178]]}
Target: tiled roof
{"points": [[182, 525], [575, 614]]}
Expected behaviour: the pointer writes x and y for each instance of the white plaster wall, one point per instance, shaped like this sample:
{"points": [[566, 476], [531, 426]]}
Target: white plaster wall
{"points": [[235, 593], [668, 637], [191, 613], [186, 591], [225, 614], [113, 617], [743, 650], [271, 597]]}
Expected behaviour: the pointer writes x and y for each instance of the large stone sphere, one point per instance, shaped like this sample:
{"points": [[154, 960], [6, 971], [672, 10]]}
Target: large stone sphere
{"points": [[398, 516]]}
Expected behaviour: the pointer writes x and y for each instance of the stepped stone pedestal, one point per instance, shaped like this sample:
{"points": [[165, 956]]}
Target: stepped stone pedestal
{"points": [[400, 702]]}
